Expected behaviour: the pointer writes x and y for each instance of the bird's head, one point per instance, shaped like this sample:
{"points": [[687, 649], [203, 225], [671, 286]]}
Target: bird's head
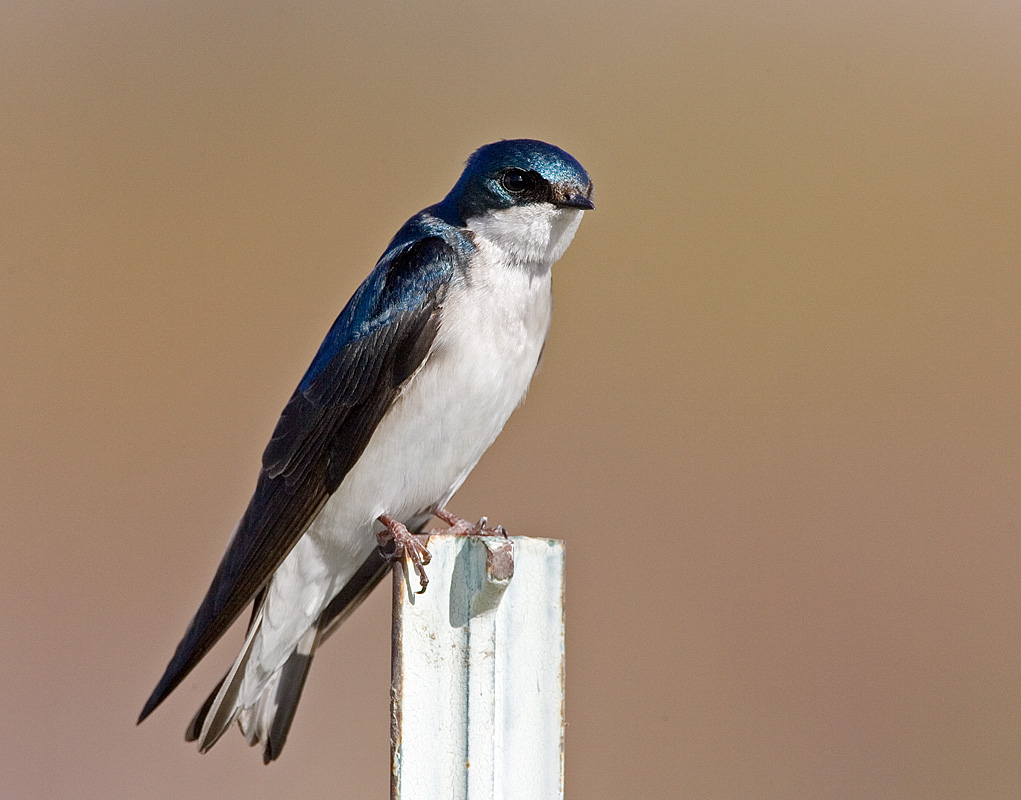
{"points": [[524, 196]]}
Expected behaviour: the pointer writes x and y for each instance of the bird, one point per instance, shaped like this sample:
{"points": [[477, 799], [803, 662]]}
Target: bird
{"points": [[411, 385]]}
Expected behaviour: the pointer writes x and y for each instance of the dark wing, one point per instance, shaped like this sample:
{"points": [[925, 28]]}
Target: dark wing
{"points": [[377, 342]]}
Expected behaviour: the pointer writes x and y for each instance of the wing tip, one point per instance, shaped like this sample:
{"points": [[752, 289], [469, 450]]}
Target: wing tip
{"points": [[159, 694], [175, 672]]}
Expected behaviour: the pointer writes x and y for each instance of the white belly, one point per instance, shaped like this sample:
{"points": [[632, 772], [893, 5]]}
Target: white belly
{"points": [[487, 347]]}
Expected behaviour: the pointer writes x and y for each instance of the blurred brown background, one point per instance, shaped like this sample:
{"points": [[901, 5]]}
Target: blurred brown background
{"points": [[777, 422]]}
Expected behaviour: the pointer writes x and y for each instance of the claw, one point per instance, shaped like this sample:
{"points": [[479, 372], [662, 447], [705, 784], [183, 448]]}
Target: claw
{"points": [[405, 545], [462, 527]]}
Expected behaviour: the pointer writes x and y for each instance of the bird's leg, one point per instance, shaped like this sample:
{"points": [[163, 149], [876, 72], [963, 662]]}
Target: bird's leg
{"points": [[459, 526], [405, 545]]}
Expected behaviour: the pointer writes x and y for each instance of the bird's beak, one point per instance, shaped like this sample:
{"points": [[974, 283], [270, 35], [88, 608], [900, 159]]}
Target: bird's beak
{"points": [[576, 200]]}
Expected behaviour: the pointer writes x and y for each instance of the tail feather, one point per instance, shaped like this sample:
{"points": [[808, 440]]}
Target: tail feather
{"points": [[269, 719], [223, 709], [195, 726], [292, 682]]}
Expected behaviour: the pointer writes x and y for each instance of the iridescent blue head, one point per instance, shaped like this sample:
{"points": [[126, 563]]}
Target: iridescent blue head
{"points": [[520, 172]]}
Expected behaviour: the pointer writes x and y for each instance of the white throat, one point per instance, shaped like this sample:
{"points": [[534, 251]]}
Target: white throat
{"points": [[531, 237]]}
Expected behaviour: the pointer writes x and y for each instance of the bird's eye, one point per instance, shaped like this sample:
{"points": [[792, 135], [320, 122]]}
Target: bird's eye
{"points": [[516, 181]]}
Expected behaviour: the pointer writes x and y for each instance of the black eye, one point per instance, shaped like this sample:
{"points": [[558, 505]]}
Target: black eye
{"points": [[516, 181]]}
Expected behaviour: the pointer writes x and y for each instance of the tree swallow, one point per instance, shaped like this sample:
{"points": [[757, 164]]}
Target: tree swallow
{"points": [[411, 385]]}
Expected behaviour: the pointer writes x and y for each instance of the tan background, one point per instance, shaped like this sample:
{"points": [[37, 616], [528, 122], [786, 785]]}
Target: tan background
{"points": [[777, 422]]}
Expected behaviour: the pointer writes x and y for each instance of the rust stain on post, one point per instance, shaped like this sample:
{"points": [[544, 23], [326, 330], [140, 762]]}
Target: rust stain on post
{"points": [[499, 559], [396, 672]]}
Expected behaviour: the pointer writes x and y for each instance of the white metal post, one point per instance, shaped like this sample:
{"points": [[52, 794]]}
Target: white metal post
{"points": [[478, 672]]}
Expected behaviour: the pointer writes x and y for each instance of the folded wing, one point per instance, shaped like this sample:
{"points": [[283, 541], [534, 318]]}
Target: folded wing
{"points": [[381, 337]]}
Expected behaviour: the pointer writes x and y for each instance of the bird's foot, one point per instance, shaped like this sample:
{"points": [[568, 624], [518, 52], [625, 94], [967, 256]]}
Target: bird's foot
{"points": [[397, 542], [459, 526]]}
